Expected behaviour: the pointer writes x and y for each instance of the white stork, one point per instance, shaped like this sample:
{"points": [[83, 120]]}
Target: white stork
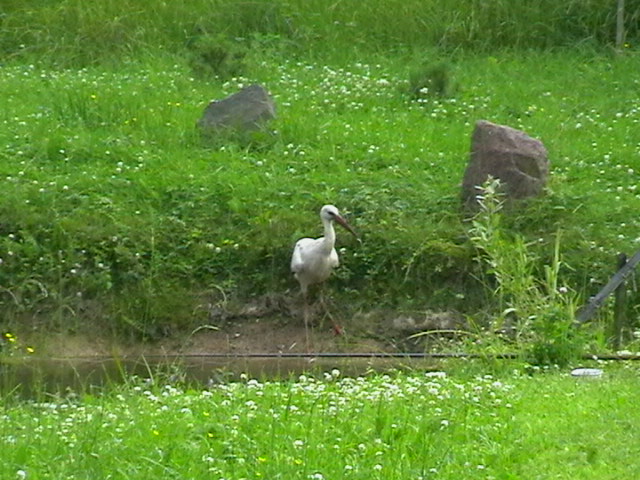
{"points": [[314, 259]]}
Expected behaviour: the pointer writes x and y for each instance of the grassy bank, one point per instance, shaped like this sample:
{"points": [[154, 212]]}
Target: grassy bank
{"points": [[115, 213], [113, 204], [382, 426]]}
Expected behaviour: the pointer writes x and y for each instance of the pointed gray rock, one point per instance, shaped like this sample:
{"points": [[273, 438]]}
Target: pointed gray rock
{"points": [[519, 161]]}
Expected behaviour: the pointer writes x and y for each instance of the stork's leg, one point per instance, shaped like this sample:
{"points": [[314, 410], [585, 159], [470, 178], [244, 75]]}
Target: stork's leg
{"points": [[337, 329], [305, 314]]}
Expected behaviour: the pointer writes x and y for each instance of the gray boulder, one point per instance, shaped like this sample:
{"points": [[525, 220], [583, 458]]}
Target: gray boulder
{"points": [[243, 112], [435, 322], [517, 160]]}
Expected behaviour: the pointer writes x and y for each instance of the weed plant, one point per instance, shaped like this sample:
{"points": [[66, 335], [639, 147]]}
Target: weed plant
{"points": [[11, 346], [537, 311], [12, 350], [412, 426]]}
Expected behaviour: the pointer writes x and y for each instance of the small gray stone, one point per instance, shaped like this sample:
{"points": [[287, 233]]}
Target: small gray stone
{"points": [[586, 372], [245, 111]]}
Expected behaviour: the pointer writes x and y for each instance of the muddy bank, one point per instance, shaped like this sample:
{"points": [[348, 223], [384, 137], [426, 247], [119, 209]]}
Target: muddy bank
{"points": [[65, 363]]}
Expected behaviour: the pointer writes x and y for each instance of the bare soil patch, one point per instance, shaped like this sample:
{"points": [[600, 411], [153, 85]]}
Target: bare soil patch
{"points": [[270, 324]]}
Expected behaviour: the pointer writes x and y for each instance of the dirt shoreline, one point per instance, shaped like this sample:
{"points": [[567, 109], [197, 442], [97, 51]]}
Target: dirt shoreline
{"points": [[240, 337]]}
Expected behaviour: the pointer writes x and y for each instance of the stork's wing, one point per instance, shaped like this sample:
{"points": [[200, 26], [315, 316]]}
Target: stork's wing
{"points": [[297, 259], [334, 261]]}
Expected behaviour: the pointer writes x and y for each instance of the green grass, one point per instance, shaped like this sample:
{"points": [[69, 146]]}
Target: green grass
{"points": [[412, 426], [72, 32], [113, 206], [115, 213], [116, 218]]}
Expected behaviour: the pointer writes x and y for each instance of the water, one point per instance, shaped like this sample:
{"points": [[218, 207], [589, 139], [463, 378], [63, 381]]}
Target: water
{"points": [[34, 376]]}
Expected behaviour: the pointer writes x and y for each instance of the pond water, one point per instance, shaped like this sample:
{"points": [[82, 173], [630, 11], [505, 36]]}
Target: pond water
{"points": [[34, 376]]}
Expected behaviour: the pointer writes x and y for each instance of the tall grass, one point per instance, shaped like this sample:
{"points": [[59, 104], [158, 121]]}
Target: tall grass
{"points": [[73, 32], [536, 311]]}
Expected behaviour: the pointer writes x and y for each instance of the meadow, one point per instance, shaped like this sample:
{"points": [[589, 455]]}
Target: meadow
{"points": [[508, 425], [117, 216], [118, 220]]}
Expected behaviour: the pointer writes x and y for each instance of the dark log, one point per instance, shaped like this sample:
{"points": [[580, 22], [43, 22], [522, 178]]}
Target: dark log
{"points": [[594, 303], [619, 310]]}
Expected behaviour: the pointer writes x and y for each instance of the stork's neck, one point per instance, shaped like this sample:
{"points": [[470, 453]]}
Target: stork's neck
{"points": [[329, 239]]}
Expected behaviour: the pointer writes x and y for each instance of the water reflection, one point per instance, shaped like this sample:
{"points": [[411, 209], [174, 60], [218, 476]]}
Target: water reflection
{"points": [[35, 376]]}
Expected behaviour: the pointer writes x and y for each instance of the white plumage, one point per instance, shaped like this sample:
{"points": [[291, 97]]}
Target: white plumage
{"points": [[314, 259]]}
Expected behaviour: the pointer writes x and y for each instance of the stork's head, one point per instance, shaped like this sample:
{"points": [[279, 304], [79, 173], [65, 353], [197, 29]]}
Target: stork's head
{"points": [[330, 213]]}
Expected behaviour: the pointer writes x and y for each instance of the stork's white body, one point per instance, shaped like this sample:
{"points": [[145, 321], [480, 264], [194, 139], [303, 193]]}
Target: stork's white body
{"points": [[314, 259]]}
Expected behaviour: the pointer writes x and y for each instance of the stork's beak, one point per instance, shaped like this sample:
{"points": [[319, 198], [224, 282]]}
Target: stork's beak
{"points": [[348, 227]]}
